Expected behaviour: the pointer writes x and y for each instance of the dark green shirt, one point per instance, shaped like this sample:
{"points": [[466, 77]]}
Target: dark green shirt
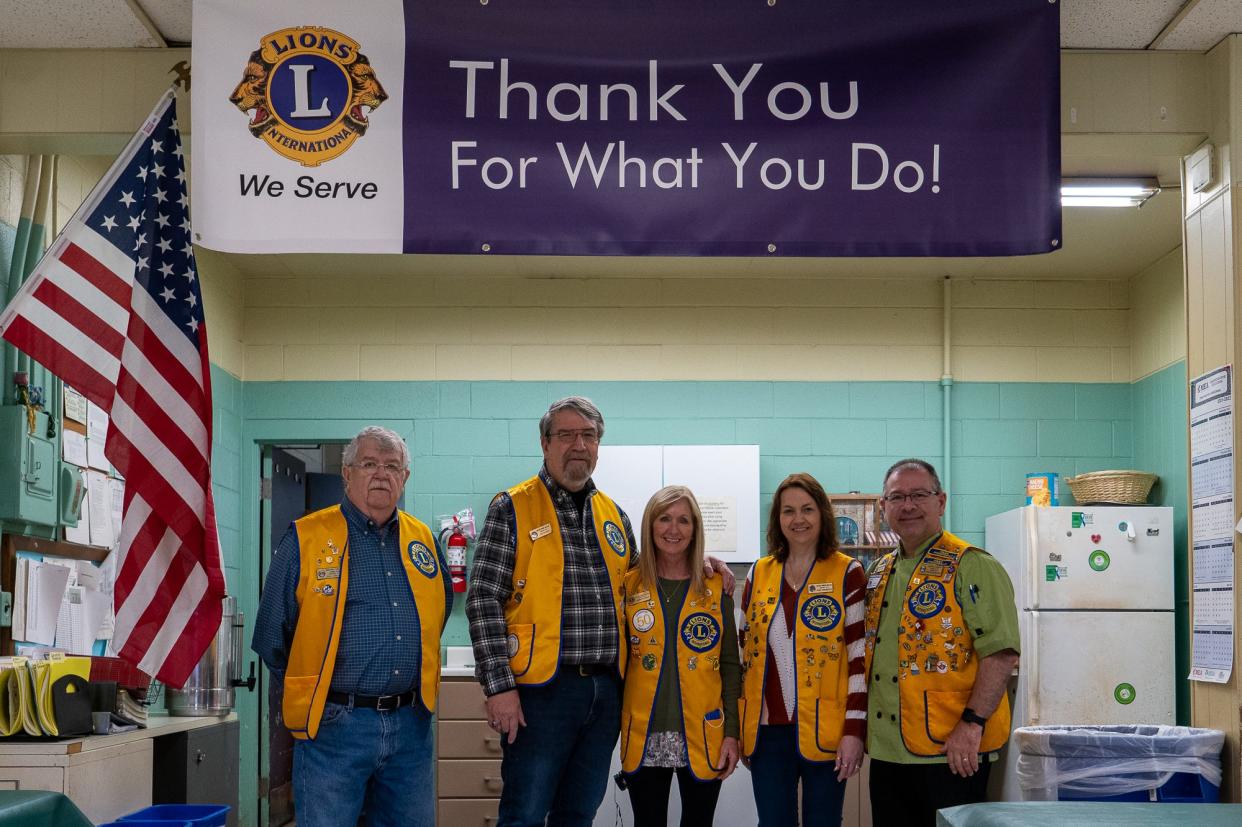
{"points": [[666, 713]]}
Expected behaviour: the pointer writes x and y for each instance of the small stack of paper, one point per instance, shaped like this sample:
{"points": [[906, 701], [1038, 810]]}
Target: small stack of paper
{"points": [[129, 710]]}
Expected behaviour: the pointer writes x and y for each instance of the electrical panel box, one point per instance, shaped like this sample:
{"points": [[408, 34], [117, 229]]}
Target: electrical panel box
{"points": [[29, 467], [1199, 169]]}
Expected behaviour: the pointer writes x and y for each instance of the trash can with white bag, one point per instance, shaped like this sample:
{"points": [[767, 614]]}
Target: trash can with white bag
{"points": [[1119, 763]]}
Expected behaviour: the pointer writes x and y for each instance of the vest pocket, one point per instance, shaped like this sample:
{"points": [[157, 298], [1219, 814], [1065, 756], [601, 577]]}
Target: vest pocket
{"points": [[747, 744], [521, 640], [942, 711], [296, 705], [626, 720], [713, 738], [829, 723]]}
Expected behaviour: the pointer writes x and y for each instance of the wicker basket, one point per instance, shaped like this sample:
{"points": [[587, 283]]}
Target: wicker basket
{"points": [[1125, 487]]}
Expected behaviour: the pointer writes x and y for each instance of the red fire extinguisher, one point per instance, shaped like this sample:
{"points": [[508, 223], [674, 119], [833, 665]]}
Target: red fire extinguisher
{"points": [[455, 553]]}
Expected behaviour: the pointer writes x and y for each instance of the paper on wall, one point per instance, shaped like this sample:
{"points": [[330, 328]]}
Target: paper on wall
{"points": [[74, 445], [96, 436], [81, 533], [75, 405], [45, 589], [97, 493], [1212, 509], [116, 505], [719, 524]]}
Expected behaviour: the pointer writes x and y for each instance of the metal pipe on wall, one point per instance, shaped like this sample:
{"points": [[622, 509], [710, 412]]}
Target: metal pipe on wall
{"points": [[946, 393]]}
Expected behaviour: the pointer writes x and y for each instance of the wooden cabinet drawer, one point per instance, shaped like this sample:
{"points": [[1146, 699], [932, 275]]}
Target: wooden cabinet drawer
{"points": [[467, 739], [468, 779], [468, 812], [462, 701]]}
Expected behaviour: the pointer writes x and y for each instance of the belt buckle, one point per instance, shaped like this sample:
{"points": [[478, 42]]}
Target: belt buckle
{"points": [[588, 670], [387, 703]]}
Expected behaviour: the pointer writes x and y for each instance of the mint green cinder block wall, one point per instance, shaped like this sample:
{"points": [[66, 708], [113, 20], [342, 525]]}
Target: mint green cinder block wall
{"points": [[469, 440], [472, 439], [1160, 446]]}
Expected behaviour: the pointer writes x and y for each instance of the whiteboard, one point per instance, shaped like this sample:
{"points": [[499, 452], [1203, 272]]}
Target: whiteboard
{"points": [[724, 478], [630, 474]]}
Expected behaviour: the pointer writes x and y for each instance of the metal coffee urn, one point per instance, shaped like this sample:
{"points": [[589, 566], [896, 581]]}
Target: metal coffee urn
{"points": [[209, 689]]}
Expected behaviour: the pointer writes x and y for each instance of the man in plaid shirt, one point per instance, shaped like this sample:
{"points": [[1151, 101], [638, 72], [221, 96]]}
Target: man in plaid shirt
{"points": [[543, 610]]}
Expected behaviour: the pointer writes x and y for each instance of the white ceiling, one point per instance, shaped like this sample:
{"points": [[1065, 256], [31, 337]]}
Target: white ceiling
{"points": [[1097, 243]]}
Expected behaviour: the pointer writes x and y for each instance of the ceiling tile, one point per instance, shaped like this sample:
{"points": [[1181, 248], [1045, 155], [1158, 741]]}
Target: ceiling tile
{"points": [[171, 17], [71, 24], [1205, 25], [1114, 24]]}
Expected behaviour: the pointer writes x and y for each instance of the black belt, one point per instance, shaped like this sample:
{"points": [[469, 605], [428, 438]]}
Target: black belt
{"points": [[588, 670], [383, 703]]}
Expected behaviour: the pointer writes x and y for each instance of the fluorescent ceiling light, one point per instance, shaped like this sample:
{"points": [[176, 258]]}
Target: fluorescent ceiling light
{"points": [[1104, 192]]}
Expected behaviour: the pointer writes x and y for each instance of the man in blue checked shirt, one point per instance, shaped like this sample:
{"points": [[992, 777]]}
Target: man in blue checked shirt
{"points": [[350, 621]]}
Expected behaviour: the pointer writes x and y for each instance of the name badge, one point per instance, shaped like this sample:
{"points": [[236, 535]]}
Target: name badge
{"points": [[641, 597], [873, 582], [543, 531], [818, 588], [327, 574]]}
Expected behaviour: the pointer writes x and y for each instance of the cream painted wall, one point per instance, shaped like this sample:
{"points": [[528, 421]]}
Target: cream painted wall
{"points": [[75, 176], [12, 181], [1157, 316], [358, 327]]}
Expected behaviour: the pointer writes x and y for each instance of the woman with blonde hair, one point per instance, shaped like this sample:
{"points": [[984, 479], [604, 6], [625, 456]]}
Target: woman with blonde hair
{"points": [[804, 691], [679, 711]]}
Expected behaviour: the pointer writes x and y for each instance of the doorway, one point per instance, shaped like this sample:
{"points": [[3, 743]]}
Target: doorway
{"points": [[297, 479]]}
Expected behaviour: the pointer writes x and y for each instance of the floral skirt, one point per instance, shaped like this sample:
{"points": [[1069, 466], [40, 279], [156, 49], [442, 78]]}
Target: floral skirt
{"points": [[665, 749]]}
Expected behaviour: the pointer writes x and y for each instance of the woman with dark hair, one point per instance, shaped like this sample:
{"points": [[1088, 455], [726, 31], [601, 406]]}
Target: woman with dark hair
{"points": [[804, 691], [679, 710]]}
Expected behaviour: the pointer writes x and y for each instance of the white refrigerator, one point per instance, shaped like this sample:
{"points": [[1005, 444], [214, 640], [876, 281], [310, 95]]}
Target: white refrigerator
{"points": [[1094, 591]]}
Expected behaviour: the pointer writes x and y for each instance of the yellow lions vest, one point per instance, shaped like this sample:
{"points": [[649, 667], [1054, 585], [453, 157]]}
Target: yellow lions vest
{"points": [[533, 613], [821, 662], [937, 666], [323, 546], [697, 661]]}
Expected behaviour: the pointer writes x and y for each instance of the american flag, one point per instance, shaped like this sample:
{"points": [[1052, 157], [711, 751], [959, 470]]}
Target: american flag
{"points": [[114, 309]]}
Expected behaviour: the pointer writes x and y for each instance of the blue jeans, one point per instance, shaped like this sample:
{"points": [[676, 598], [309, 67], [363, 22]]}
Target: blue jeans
{"points": [[363, 758], [775, 769], [557, 769]]}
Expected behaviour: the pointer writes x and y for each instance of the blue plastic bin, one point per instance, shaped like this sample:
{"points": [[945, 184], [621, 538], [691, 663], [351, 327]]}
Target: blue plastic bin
{"points": [[1119, 763], [180, 815], [1182, 788]]}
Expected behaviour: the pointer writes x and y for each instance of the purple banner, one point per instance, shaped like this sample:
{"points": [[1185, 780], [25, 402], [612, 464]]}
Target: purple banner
{"points": [[704, 128]]}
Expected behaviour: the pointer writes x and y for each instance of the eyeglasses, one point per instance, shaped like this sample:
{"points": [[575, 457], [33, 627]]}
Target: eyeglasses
{"points": [[370, 466], [587, 435], [916, 497]]}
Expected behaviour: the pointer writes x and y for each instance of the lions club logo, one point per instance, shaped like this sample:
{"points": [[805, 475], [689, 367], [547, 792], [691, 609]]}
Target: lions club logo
{"points": [[928, 599], [821, 613], [308, 91], [615, 537], [423, 558], [700, 631]]}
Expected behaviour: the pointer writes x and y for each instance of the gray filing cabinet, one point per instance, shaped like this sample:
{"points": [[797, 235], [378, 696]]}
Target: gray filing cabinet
{"points": [[199, 766]]}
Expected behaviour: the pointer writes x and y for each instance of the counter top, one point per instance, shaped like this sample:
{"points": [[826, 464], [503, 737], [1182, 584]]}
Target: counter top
{"points": [[157, 725]]}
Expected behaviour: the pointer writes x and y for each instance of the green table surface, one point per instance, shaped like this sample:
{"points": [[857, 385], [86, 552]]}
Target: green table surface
{"points": [[35, 808], [1093, 813]]}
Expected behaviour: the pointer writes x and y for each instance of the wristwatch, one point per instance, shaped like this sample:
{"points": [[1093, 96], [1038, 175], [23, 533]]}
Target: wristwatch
{"points": [[971, 717]]}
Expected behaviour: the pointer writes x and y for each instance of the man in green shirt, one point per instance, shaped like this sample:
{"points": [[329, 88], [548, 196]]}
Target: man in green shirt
{"points": [[919, 643]]}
